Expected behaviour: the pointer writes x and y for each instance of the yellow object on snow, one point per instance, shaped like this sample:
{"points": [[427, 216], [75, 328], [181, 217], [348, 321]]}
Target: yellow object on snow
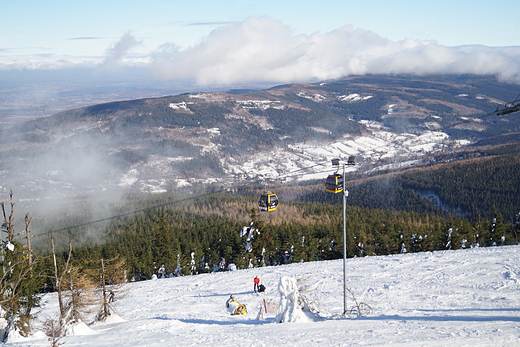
{"points": [[241, 309], [234, 307]]}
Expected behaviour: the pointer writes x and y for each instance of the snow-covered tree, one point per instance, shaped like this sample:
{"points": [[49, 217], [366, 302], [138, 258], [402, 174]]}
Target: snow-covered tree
{"points": [[193, 268], [293, 305], [249, 231], [178, 269]]}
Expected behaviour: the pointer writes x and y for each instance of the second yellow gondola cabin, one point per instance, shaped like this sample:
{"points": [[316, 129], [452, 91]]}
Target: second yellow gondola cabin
{"points": [[334, 183], [268, 202]]}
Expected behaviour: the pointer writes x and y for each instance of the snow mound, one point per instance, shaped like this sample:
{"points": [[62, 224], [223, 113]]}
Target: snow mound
{"points": [[79, 328], [114, 318]]}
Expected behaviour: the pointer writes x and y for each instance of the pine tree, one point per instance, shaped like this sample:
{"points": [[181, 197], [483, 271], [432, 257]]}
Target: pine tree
{"points": [[19, 284], [81, 296], [164, 243], [111, 275]]}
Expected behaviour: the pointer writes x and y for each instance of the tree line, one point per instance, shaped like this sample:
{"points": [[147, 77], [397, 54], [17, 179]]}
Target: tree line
{"points": [[168, 229]]}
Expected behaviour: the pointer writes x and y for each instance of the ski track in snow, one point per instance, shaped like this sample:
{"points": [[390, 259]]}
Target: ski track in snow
{"points": [[458, 297]]}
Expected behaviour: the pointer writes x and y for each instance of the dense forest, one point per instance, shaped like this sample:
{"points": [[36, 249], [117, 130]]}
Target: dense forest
{"points": [[193, 234], [473, 188]]}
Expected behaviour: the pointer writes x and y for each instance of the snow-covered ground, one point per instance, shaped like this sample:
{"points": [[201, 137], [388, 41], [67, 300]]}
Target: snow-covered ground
{"points": [[449, 298], [377, 149], [312, 159]]}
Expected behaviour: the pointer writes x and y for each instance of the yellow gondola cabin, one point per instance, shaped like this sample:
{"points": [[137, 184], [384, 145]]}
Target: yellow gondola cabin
{"points": [[334, 183], [268, 202]]}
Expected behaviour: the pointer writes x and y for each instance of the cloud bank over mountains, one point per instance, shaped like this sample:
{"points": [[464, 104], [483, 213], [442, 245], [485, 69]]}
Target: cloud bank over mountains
{"points": [[262, 49]]}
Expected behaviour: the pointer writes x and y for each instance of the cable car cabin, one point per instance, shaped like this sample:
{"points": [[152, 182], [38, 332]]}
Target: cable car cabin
{"points": [[268, 202], [334, 183]]}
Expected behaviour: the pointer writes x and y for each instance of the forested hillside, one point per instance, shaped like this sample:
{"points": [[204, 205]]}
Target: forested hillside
{"points": [[477, 187], [387, 209], [170, 229]]}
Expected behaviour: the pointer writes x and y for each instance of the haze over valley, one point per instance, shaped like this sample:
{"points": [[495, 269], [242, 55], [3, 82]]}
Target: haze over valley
{"points": [[281, 134]]}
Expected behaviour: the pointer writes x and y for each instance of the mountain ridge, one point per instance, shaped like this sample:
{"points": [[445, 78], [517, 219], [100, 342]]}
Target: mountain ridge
{"points": [[160, 144]]}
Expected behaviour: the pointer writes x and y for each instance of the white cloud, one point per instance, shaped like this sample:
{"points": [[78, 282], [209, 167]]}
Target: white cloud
{"points": [[118, 51], [262, 49]]}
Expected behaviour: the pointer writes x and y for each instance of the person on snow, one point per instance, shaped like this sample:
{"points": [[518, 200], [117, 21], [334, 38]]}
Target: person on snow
{"points": [[234, 307], [256, 281], [231, 298]]}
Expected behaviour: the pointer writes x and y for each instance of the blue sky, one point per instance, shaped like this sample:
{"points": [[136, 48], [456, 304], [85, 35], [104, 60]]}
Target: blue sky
{"points": [[207, 40]]}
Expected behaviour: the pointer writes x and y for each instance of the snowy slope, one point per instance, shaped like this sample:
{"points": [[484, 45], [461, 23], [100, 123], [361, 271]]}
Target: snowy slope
{"points": [[449, 298]]}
